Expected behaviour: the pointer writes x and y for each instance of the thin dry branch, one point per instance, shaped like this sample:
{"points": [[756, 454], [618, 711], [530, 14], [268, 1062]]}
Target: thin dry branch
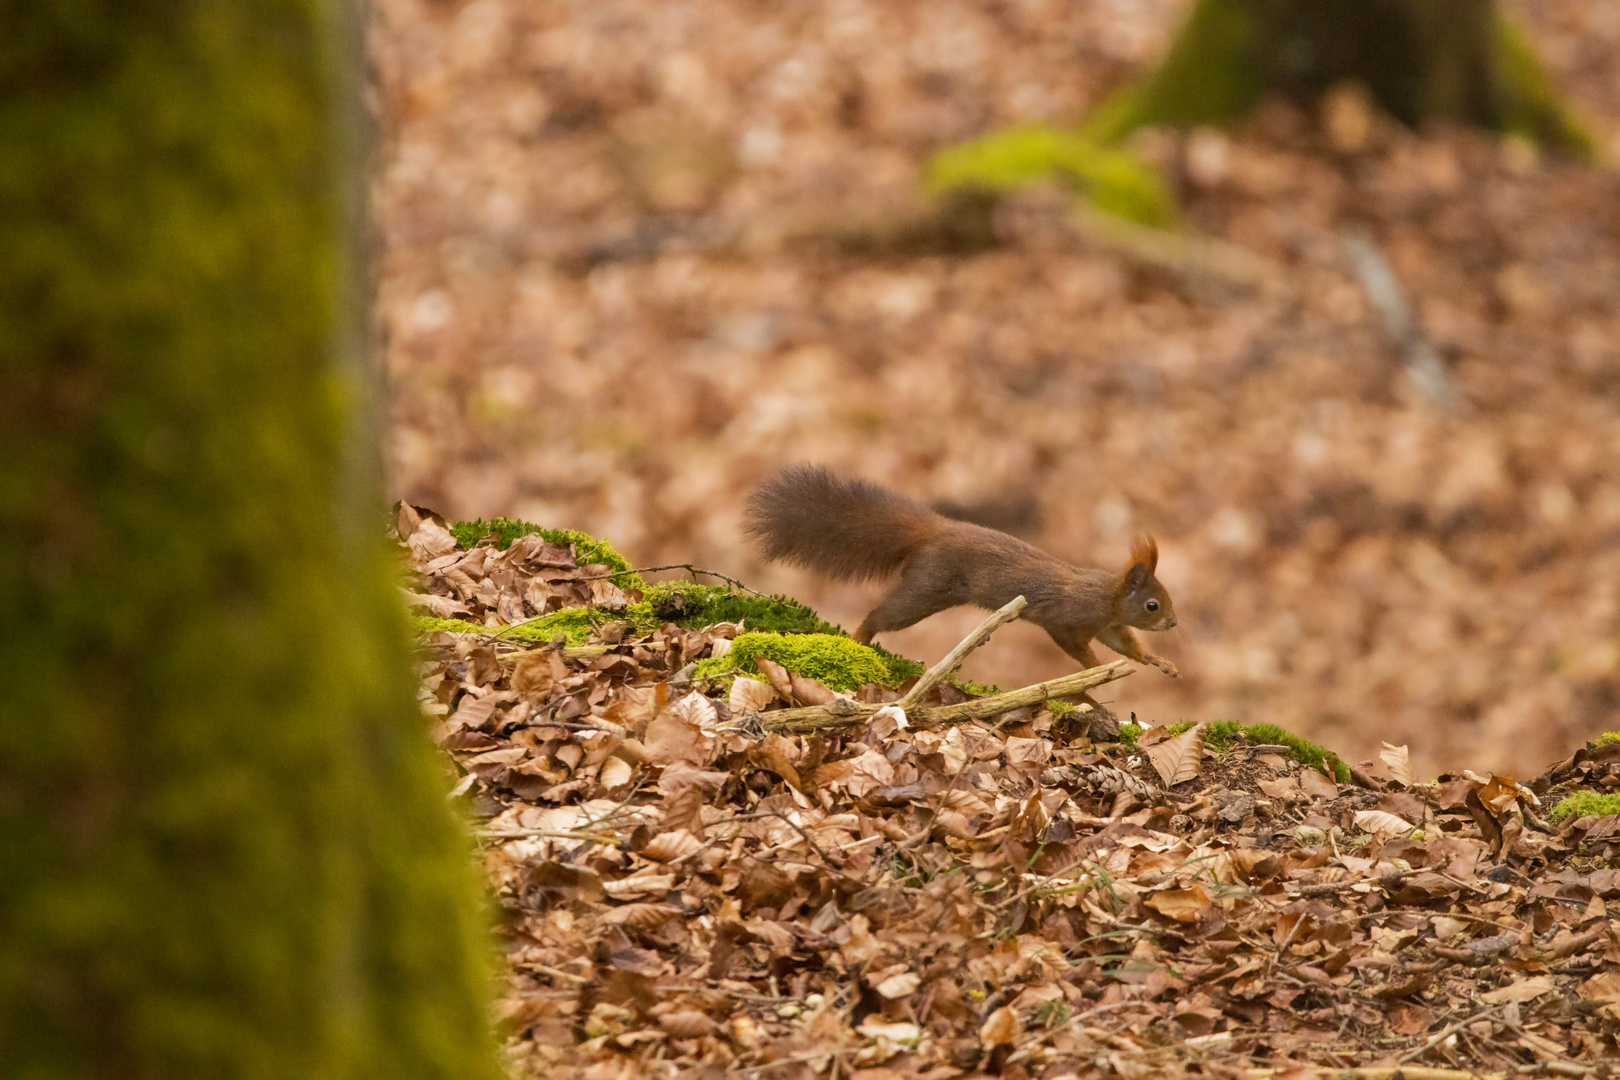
{"points": [[953, 659], [842, 711]]}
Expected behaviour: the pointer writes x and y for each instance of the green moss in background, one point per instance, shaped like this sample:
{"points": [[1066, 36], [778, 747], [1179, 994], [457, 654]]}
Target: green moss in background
{"points": [[838, 662], [226, 847], [1113, 180], [1583, 803], [1222, 734]]}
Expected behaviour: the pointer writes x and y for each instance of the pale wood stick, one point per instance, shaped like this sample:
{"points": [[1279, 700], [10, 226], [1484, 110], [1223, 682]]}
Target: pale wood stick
{"points": [[842, 711], [953, 659]]}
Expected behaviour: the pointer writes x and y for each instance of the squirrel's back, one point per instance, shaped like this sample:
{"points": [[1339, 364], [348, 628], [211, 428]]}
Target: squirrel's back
{"points": [[845, 529]]}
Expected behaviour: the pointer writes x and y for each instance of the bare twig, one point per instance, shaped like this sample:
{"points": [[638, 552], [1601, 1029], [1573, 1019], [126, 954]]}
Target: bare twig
{"points": [[953, 659], [843, 711]]}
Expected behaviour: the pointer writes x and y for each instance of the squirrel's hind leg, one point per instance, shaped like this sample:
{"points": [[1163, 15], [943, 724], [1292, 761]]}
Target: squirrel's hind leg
{"points": [[916, 596]]}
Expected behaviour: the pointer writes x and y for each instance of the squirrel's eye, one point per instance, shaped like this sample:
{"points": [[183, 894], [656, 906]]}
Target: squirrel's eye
{"points": [[1152, 605]]}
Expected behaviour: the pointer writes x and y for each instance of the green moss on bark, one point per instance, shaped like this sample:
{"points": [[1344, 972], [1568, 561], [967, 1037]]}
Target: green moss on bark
{"points": [[226, 847], [1421, 60]]}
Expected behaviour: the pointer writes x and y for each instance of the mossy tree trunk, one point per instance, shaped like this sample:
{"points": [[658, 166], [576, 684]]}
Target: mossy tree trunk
{"points": [[1421, 60], [225, 843]]}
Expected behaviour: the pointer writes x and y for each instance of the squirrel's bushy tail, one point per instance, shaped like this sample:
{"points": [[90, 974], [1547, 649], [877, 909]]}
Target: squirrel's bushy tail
{"points": [[842, 528]]}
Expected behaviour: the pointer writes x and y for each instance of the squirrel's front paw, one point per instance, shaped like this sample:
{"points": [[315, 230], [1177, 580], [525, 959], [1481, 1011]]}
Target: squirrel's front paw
{"points": [[1165, 666]]}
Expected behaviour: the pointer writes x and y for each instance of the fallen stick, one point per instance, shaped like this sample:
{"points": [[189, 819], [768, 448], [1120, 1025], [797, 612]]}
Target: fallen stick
{"points": [[953, 659], [842, 711]]}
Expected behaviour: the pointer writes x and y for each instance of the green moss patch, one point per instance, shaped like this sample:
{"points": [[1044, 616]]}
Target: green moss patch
{"points": [[834, 660], [1223, 734], [1583, 803], [1113, 180], [588, 550]]}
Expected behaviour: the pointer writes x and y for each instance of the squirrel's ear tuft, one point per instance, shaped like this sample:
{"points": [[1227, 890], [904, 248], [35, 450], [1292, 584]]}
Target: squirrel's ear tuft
{"points": [[1145, 550]]}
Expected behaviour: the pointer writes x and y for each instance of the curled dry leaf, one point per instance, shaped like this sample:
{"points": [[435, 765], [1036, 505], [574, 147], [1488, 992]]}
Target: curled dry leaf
{"points": [[1395, 759], [1522, 990], [900, 1034], [1183, 905], [1383, 824], [867, 773], [668, 846], [1001, 1028], [778, 676], [639, 885], [1178, 759], [808, 691], [615, 773], [677, 734], [639, 916], [750, 695], [687, 1024], [899, 986]]}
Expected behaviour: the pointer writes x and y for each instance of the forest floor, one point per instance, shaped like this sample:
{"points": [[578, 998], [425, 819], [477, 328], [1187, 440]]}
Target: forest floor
{"points": [[636, 257], [698, 879]]}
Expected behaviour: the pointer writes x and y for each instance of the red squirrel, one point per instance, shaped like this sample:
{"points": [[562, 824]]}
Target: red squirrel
{"points": [[853, 530]]}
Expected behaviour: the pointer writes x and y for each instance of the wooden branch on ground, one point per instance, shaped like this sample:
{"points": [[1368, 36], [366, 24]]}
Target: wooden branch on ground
{"points": [[953, 659], [841, 711]]}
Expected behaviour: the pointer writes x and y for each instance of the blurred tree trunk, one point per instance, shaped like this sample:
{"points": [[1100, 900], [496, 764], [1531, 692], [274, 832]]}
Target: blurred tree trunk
{"points": [[224, 836], [1421, 60]]}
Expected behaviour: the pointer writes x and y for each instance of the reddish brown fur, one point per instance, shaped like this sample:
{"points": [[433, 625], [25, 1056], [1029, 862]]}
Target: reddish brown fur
{"points": [[851, 529]]}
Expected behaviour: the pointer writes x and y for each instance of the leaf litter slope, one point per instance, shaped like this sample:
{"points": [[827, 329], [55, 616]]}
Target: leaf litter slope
{"points": [[624, 280], [680, 890]]}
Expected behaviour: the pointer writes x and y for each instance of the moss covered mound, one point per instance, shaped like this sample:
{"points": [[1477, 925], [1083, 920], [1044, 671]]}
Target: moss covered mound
{"points": [[588, 550], [835, 660]]}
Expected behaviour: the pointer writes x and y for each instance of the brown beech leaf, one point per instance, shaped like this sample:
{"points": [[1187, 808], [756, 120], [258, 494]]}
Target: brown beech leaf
{"points": [[1317, 786], [899, 986], [1183, 905], [808, 691], [532, 674], [1178, 759], [778, 676], [1522, 990], [869, 771], [775, 752], [639, 916], [677, 734], [639, 885], [1002, 1028], [750, 695], [615, 773], [1395, 758], [1383, 824], [687, 1024], [667, 846]]}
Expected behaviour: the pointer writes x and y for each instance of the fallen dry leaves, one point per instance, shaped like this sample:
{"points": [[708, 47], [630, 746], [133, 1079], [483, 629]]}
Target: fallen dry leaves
{"points": [[681, 891]]}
